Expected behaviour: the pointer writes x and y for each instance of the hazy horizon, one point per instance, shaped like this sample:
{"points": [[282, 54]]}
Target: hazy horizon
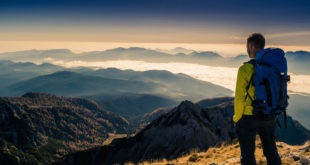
{"points": [[225, 50]]}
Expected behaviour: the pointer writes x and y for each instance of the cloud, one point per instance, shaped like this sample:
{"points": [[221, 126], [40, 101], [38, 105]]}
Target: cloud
{"points": [[223, 76]]}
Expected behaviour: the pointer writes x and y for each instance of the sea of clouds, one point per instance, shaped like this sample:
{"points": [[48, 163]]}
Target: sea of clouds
{"points": [[223, 76]]}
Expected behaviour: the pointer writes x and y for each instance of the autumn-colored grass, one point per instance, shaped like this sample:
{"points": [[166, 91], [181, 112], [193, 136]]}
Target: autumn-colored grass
{"points": [[229, 154]]}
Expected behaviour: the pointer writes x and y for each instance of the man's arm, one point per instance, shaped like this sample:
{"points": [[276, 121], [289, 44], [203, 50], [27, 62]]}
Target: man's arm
{"points": [[240, 93]]}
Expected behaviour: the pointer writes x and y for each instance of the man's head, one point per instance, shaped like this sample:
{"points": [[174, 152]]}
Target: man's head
{"points": [[255, 43]]}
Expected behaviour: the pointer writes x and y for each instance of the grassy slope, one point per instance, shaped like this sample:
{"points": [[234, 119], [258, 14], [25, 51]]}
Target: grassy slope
{"points": [[229, 154]]}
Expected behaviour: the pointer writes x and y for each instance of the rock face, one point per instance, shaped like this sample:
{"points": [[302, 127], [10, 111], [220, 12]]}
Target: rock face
{"points": [[31, 121], [174, 134]]}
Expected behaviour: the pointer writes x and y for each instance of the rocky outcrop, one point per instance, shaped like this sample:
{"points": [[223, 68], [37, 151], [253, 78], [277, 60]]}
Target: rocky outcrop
{"points": [[173, 134]]}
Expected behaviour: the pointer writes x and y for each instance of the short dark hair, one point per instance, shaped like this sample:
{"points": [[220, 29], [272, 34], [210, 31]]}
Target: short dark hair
{"points": [[257, 39]]}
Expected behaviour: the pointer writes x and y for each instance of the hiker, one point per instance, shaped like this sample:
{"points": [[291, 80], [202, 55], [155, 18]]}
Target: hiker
{"points": [[247, 123]]}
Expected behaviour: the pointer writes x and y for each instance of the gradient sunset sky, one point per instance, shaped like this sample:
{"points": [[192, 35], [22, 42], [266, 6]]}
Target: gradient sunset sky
{"points": [[283, 22]]}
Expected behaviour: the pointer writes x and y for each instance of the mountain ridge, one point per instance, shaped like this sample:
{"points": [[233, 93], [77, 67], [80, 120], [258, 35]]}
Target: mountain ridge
{"points": [[175, 133]]}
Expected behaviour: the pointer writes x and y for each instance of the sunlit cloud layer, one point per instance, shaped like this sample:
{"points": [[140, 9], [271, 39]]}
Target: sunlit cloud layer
{"points": [[223, 76]]}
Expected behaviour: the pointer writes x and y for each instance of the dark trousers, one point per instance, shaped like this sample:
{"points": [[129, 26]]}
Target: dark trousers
{"points": [[246, 129]]}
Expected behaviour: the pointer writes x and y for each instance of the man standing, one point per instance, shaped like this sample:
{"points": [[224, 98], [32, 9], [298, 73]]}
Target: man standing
{"points": [[247, 124]]}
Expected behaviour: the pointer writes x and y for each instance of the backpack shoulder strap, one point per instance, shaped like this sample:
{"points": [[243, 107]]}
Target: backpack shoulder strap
{"points": [[252, 61], [247, 88]]}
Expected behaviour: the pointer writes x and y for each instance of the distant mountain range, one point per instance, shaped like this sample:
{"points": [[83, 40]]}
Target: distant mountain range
{"points": [[38, 55], [67, 83], [175, 50], [175, 133], [20, 78], [13, 72], [297, 60], [39, 127]]}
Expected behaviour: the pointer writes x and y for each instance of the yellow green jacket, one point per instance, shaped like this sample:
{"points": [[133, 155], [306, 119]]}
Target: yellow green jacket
{"points": [[242, 106]]}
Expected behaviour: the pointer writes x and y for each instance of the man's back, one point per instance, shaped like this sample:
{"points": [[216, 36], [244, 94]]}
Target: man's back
{"points": [[243, 106]]}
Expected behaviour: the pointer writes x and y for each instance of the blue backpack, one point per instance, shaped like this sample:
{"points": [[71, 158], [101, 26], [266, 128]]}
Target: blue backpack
{"points": [[270, 80]]}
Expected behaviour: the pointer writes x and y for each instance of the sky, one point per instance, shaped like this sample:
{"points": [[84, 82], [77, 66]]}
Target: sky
{"points": [[283, 22]]}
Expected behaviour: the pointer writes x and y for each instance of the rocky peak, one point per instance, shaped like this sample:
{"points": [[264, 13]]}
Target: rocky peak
{"points": [[188, 106]]}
